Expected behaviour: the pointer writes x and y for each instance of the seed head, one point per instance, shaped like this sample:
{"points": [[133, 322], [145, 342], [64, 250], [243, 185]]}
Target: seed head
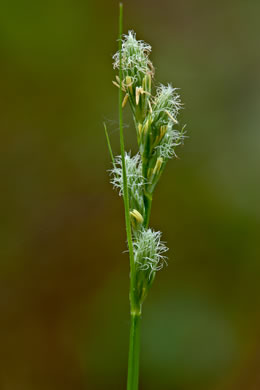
{"points": [[149, 251], [135, 55], [135, 180], [170, 141], [166, 105]]}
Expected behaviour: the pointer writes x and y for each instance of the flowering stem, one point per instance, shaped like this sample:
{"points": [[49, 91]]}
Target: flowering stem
{"points": [[134, 352], [137, 176], [134, 344]]}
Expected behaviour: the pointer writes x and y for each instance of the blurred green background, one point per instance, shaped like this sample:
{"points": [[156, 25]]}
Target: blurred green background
{"points": [[63, 278]]}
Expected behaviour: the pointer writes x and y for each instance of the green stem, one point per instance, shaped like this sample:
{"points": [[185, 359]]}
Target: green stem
{"points": [[134, 352], [122, 147]]}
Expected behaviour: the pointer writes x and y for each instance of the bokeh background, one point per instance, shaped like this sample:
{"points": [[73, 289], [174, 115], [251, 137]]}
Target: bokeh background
{"points": [[63, 278]]}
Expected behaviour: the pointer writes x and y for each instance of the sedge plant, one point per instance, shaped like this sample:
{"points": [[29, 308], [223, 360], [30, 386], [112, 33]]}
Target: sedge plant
{"points": [[155, 111]]}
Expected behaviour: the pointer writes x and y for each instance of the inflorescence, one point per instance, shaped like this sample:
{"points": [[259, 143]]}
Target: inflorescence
{"points": [[158, 135]]}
